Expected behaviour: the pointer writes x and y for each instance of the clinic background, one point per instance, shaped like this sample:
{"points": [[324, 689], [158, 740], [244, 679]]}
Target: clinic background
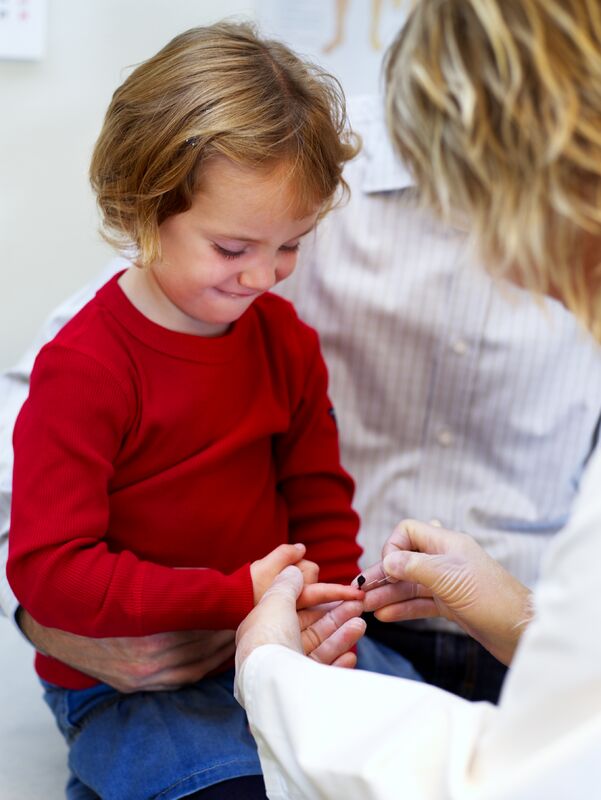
{"points": [[52, 111]]}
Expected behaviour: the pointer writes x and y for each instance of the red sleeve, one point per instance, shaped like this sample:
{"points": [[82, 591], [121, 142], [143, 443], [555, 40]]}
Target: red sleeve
{"points": [[317, 490], [61, 570]]}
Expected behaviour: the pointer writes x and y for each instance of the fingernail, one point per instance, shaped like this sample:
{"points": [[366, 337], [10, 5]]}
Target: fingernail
{"points": [[388, 562], [394, 562]]}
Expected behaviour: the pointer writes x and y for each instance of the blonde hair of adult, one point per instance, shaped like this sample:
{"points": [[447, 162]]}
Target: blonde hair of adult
{"points": [[216, 90], [496, 106]]}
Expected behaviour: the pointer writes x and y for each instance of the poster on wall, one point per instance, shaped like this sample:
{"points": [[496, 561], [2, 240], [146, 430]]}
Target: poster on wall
{"points": [[23, 29], [347, 37]]}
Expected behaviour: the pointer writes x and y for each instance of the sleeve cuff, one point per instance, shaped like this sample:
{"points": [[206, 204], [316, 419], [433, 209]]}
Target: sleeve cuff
{"points": [[8, 602]]}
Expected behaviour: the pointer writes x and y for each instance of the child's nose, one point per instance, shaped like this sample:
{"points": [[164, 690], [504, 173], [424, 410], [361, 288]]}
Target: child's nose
{"points": [[260, 277]]}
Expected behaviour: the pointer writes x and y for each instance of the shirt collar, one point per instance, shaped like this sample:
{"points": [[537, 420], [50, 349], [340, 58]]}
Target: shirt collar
{"points": [[385, 171]]}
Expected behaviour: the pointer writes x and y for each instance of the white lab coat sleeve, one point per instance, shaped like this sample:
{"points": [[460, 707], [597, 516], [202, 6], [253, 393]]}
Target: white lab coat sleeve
{"points": [[324, 732], [329, 733], [546, 740]]}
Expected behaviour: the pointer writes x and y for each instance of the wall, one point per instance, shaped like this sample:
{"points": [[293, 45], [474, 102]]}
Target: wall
{"points": [[50, 114]]}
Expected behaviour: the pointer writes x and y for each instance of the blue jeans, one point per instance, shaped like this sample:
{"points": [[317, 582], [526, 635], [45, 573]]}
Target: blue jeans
{"points": [[452, 661], [163, 745], [167, 745]]}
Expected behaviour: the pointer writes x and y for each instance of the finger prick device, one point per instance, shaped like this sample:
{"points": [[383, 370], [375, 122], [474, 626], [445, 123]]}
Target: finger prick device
{"points": [[366, 585]]}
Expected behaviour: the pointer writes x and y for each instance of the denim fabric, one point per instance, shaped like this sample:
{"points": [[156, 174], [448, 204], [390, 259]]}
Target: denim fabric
{"points": [[76, 790], [167, 745], [162, 745], [452, 661], [373, 656]]}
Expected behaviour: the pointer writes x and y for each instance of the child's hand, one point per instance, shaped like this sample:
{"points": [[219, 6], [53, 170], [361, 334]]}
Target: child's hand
{"points": [[264, 571]]}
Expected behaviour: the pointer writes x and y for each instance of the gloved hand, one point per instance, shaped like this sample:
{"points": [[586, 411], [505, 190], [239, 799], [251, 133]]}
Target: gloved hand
{"points": [[325, 633], [437, 572]]}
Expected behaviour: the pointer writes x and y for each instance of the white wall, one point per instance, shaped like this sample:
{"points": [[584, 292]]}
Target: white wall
{"points": [[50, 115]]}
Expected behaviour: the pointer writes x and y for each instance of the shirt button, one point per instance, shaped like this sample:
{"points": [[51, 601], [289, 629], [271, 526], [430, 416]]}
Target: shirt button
{"points": [[436, 523], [445, 437], [459, 347]]}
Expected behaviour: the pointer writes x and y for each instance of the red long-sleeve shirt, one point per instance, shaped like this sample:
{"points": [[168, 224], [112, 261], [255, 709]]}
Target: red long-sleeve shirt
{"points": [[151, 468]]}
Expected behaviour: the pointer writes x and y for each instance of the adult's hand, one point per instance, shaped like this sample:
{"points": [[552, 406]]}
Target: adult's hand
{"points": [[444, 573], [132, 664], [325, 633]]}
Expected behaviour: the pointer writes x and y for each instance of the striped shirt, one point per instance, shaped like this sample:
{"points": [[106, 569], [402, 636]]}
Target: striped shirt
{"points": [[460, 399]]}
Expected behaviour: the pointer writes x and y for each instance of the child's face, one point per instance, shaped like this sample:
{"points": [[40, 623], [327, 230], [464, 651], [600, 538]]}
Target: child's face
{"points": [[238, 239]]}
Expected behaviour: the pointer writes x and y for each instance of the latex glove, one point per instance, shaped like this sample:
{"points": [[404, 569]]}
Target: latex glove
{"points": [[325, 633], [444, 573], [131, 664]]}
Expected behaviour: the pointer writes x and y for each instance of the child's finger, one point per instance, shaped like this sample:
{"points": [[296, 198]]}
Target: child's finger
{"points": [[284, 555], [309, 569], [316, 593]]}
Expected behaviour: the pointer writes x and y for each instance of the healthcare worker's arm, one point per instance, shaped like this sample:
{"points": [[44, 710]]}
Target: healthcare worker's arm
{"points": [[326, 733]]}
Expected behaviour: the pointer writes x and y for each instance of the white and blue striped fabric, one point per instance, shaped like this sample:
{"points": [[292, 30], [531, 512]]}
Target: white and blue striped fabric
{"points": [[459, 399]]}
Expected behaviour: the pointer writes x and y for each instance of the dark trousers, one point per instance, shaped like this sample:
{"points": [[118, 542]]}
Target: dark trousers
{"points": [[451, 661]]}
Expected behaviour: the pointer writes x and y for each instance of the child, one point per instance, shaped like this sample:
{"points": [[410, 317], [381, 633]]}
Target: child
{"points": [[178, 439]]}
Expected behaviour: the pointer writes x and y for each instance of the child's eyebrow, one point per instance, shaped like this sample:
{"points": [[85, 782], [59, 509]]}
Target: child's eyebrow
{"points": [[249, 240]]}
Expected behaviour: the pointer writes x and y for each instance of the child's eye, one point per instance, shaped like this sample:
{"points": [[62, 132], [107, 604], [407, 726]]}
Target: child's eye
{"points": [[231, 254], [290, 248]]}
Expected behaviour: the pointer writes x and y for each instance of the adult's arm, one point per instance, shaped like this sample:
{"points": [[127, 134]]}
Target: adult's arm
{"points": [[13, 391], [321, 735], [133, 664], [329, 734]]}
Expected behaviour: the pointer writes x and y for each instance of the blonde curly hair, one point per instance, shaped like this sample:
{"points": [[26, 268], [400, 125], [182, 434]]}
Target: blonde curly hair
{"points": [[496, 107], [215, 90]]}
